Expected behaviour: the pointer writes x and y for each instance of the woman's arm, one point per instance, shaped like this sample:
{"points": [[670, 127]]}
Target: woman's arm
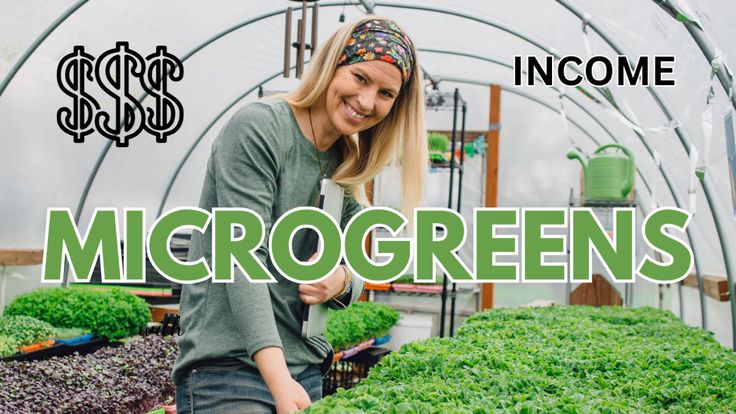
{"points": [[288, 394], [245, 164]]}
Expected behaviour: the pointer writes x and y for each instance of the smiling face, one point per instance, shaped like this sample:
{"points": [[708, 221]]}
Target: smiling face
{"points": [[361, 95]]}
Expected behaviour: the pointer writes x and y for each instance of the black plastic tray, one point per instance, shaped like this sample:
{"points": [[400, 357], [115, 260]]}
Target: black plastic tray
{"points": [[62, 350]]}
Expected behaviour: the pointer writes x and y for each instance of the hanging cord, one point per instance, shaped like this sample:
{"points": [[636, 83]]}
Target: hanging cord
{"points": [[342, 13], [314, 139], [565, 123]]}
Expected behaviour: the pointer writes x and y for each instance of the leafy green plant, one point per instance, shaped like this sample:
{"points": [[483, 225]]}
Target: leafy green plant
{"points": [[409, 278], [8, 346], [359, 322], [437, 146], [112, 313], [67, 333], [25, 330], [560, 359], [437, 141]]}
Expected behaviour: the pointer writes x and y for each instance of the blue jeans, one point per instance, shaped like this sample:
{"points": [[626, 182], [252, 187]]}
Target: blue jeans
{"points": [[232, 387]]}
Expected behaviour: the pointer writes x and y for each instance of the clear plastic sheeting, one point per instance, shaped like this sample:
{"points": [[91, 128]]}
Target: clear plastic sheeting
{"points": [[41, 167]]}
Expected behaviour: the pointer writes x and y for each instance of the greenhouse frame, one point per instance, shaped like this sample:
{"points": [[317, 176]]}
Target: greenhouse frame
{"points": [[505, 124]]}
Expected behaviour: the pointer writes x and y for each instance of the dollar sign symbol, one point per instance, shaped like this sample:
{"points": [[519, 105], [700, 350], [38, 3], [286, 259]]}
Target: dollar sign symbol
{"points": [[169, 113], [71, 73], [128, 111]]}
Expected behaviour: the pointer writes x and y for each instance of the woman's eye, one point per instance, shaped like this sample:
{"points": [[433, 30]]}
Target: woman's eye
{"points": [[387, 94], [359, 78]]}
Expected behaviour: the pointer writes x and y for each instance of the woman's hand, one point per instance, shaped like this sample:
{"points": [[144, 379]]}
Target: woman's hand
{"points": [[321, 292], [289, 396]]}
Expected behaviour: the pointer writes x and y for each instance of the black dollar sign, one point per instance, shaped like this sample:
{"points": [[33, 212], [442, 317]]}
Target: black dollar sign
{"points": [[128, 111], [169, 113], [70, 75]]}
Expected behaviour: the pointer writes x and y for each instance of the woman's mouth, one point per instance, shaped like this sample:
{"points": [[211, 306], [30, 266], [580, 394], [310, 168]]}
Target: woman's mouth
{"points": [[352, 113]]}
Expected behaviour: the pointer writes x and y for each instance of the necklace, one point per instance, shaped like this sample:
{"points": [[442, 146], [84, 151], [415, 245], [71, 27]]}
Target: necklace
{"points": [[314, 139]]}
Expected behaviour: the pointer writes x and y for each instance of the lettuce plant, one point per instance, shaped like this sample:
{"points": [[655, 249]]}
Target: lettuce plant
{"points": [[111, 313], [359, 322], [25, 330], [8, 346], [560, 359]]}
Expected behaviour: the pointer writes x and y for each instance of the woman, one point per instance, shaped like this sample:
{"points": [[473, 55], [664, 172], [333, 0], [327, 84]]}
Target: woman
{"points": [[359, 107]]}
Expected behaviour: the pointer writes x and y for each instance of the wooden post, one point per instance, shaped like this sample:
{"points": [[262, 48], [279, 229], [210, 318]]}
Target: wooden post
{"points": [[492, 139], [302, 39], [287, 44]]}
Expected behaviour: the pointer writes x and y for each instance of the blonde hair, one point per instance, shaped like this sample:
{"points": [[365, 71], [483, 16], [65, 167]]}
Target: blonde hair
{"points": [[400, 138]]}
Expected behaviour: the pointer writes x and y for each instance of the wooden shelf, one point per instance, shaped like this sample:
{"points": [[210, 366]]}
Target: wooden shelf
{"points": [[383, 287], [21, 257], [714, 286], [158, 312]]}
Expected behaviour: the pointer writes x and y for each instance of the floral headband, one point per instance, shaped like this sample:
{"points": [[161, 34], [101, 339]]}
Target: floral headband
{"points": [[379, 40]]}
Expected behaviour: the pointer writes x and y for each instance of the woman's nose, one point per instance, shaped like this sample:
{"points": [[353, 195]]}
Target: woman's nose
{"points": [[366, 101]]}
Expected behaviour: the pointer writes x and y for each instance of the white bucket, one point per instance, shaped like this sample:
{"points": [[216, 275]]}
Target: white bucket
{"points": [[410, 327]]}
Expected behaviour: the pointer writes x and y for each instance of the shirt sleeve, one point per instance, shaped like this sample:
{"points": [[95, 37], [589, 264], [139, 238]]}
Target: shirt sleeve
{"points": [[246, 163]]}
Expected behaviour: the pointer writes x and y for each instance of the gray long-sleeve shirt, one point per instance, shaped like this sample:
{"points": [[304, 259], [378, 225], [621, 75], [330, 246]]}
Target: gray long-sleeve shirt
{"points": [[262, 161]]}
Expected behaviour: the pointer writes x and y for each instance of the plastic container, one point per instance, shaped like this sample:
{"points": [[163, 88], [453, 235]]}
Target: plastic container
{"points": [[348, 372], [382, 340], [383, 287], [76, 340], [37, 346], [59, 349], [410, 327]]}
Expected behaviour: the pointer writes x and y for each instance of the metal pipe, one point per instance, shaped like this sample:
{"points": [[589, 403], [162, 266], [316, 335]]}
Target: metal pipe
{"points": [[201, 135], [108, 144], [259, 84], [455, 99], [245, 23], [663, 106], [459, 208], [685, 141], [36, 43], [675, 195], [678, 202], [709, 51], [369, 5]]}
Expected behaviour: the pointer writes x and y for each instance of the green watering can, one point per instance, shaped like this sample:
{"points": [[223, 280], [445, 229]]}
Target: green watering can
{"points": [[609, 176]]}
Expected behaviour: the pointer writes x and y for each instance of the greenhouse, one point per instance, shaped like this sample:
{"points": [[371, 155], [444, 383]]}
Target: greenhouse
{"points": [[359, 206]]}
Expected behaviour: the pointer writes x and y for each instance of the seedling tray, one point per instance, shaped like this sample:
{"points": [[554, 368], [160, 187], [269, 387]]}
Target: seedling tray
{"points": [[61, 349]]}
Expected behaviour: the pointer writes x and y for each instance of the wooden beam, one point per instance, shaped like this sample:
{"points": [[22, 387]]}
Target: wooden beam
{"points": [[468, 134], [492, 141], [158, 312], [20, 257], [715, 287], [691, 280]]}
